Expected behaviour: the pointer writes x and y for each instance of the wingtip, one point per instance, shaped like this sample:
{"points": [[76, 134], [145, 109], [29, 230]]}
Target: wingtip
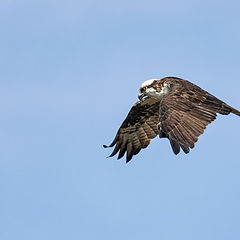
{"points": [[176, 152], [105, 146]]}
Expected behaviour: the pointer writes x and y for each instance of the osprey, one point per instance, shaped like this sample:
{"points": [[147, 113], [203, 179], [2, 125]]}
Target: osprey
{"points": [[172, 108]]}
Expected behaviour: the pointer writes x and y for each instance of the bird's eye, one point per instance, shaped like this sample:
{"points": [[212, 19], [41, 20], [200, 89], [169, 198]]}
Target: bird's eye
{"points": [[143, 89]]}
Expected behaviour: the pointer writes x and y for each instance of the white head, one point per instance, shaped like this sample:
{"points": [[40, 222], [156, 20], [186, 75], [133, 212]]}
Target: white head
{"points": [[148, 83], [153, 88]]}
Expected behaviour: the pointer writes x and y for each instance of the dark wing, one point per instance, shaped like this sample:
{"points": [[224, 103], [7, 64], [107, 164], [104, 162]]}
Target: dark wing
{"points": [[137, 130], [185, 114]]}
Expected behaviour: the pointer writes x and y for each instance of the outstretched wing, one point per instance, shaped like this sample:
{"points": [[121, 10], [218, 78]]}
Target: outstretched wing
{"points": [[185, 114], [137, 130]]}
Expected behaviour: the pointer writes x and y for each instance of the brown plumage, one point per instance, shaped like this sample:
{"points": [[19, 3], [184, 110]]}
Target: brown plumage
{"points": [[173, 108]]}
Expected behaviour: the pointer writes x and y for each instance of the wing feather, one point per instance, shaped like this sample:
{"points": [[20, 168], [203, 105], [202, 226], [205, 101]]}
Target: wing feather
{"points": [[143, 137], [123, 146], [129, 151], [137, 130], [174, 143], [148, 130], [116, 149], [153, 125], [136, 143], [184, 116]]}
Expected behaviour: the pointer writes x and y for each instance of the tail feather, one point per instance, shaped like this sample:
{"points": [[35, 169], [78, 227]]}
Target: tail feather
{"points": [[223, 108], [235, 111], [226, 109]]}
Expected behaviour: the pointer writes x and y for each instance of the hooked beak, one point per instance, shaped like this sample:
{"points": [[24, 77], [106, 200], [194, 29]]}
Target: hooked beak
{"points": [[141, 95]]}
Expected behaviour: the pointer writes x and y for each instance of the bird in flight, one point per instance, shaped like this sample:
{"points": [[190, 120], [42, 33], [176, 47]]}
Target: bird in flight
{"points": [[172, 108]]}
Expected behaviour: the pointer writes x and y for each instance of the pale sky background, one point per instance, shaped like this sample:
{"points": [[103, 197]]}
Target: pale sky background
{"points": [[69, 73]]}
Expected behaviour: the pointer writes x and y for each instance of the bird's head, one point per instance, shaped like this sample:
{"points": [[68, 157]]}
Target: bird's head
{"points": [[149, 89]]}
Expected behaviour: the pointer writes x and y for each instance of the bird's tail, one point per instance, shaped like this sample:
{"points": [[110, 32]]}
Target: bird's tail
{"points": [[221, 106], [226, 109], [235, 111]]}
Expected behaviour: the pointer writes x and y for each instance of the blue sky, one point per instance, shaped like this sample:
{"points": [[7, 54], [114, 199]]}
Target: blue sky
{"points": [[70, 72]]}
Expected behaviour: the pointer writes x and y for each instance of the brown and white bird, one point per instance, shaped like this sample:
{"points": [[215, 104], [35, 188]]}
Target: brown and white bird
{"points": [[172, 108]]}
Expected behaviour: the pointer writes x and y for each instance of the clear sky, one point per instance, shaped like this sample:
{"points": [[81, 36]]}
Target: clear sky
{"points": [[69, 73]]}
